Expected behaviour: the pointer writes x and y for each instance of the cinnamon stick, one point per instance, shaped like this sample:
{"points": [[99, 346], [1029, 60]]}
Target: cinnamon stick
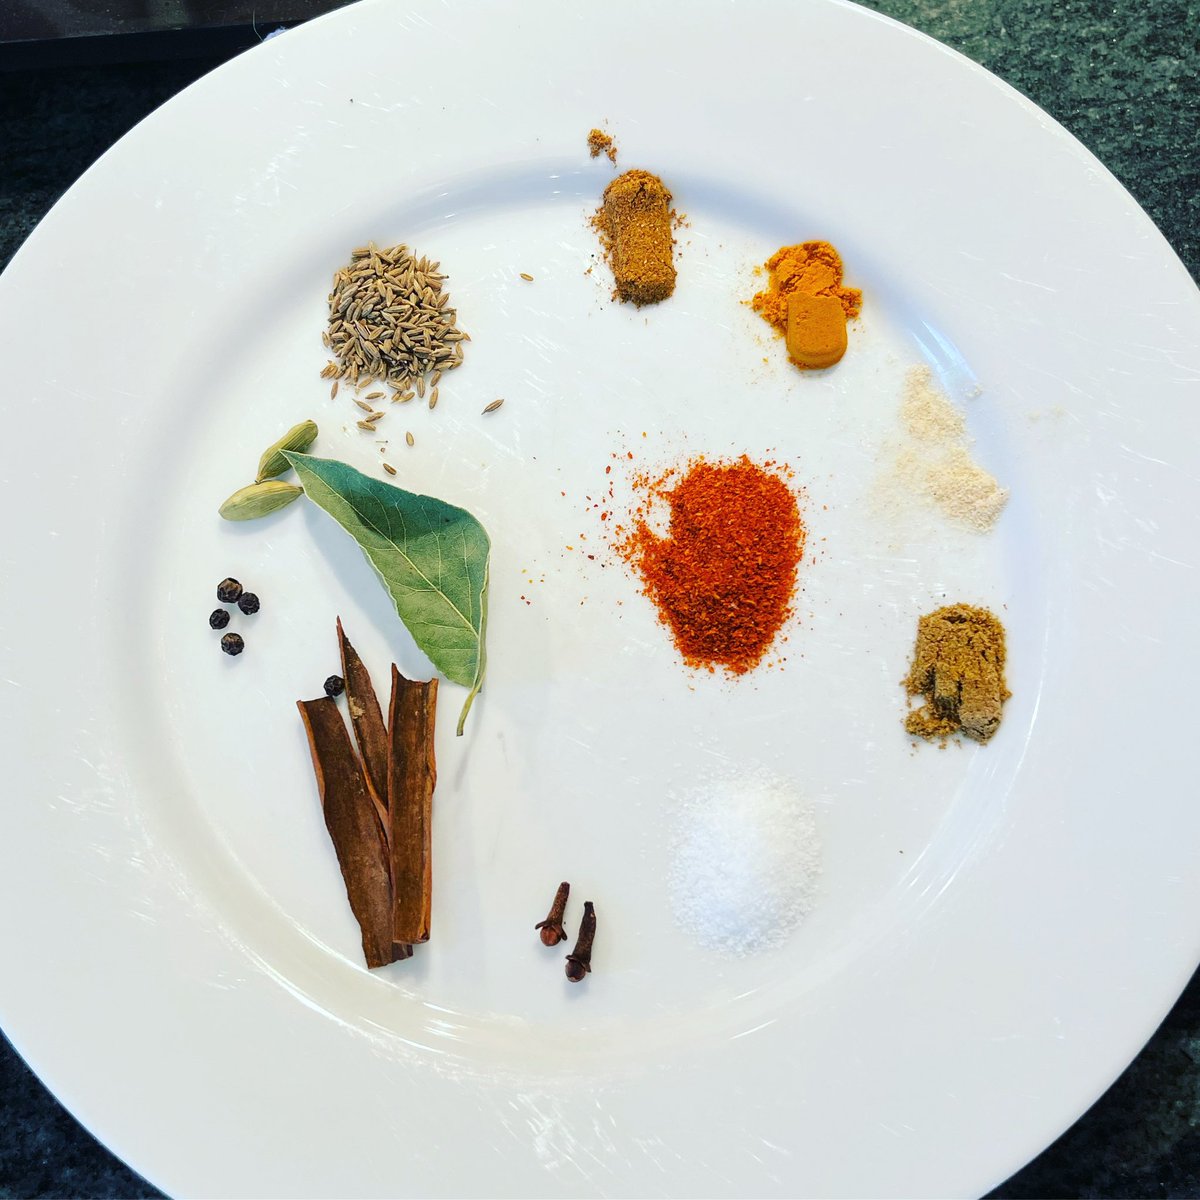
{"points": [[367, 719], [354, 826], [412, 774]]}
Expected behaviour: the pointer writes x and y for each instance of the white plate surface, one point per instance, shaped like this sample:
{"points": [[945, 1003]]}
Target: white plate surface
{"points": [[998, 929]]}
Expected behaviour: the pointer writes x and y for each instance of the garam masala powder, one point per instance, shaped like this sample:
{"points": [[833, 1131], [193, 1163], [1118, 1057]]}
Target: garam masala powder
{"points": [[634, 223]]}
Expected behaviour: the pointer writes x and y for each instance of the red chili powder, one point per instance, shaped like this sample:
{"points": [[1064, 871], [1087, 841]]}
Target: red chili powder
{"points": [[723, 577]]}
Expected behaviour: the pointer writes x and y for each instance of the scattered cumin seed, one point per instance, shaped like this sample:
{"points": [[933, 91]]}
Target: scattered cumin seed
{"points": [[433, 398], [363, 405], [333, 390], [365, 425], [408, 437], [374, 395], [527, 278], [495, 404], [389, 468]]}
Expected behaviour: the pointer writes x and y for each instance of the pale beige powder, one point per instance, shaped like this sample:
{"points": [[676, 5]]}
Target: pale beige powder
{"points": [[926, 412], [934, 460]]}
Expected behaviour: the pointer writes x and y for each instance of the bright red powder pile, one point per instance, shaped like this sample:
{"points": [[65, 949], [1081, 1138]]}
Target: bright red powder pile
{"points": [[723, 577]]}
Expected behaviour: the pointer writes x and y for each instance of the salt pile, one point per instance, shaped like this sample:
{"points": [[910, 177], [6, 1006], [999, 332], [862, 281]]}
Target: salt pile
{"points": [[746, 862]]}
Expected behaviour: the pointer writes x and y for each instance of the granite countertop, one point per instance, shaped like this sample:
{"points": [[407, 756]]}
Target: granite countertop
{"points": [[1122, 75]]}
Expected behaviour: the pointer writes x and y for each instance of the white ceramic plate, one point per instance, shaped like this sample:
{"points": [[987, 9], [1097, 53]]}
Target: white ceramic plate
{"points": [[999, 929]]}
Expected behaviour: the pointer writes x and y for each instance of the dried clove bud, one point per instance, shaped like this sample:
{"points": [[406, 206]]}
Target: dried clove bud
{"points": [[579, 961], [552, 926]]}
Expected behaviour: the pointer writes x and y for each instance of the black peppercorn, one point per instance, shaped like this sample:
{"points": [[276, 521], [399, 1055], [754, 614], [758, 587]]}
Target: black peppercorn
{"points": [[218, 619], [228, 590], [232, 643], [248, 603], [334, 685]]}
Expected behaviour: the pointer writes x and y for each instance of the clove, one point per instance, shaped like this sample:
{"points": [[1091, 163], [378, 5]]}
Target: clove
{"points": [[579, 961], [552, 927]]}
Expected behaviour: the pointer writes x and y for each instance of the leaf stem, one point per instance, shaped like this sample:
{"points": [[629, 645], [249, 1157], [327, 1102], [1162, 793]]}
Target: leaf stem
{"points": [[466, 708], [477, 686]]}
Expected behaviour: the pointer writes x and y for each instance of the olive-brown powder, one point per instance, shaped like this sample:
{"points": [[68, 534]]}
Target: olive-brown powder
{"points": [[958, 666]]}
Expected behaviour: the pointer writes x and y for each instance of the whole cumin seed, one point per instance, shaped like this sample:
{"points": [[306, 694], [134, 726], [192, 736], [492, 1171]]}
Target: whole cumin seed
{"points": [[389, 468], [390, 320], [495, 404], [408, 437]]}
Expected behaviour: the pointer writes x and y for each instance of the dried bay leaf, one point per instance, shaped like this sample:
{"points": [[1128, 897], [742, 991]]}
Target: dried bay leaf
{"points": [[432, 557], [354, 827]]}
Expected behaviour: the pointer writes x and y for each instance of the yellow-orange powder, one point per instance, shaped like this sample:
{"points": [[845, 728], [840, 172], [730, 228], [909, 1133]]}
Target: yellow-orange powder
{"points": [[813, 268]]}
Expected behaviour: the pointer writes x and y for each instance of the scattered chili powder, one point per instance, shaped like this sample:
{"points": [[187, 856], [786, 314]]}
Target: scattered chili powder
{"points": [[723, 577]]}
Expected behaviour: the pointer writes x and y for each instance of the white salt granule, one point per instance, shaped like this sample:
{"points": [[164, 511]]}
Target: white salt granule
{"points": [[745, 863]]}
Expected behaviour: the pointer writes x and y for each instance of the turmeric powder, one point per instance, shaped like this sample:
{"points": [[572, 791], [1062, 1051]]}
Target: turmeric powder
{"points": [[816, 330], [816, 333]]}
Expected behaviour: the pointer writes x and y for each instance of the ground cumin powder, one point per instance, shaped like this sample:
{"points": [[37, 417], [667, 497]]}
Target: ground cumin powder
{"points": [[958, 666], [634, 223]]}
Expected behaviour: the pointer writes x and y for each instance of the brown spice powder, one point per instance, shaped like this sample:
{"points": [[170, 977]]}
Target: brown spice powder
{"points": [[635, 227], [600, 143], [958, 666]]}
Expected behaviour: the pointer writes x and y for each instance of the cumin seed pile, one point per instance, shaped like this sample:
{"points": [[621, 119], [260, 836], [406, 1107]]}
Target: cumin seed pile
{"points": [[390, 321]]}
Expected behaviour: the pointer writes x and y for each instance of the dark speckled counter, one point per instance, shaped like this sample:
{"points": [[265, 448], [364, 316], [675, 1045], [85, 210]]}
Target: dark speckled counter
{"points": [[1122, 76]]}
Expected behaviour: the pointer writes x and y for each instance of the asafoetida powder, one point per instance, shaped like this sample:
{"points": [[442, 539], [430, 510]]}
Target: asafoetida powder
{"points": [[933, 459]]}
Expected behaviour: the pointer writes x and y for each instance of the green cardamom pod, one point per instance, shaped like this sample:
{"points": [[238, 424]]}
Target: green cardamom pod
{"points": [[298, 439], [258, 499]]}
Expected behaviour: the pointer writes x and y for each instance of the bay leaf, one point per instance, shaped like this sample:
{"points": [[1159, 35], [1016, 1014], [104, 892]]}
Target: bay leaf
{"points": [[431, 556]]}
